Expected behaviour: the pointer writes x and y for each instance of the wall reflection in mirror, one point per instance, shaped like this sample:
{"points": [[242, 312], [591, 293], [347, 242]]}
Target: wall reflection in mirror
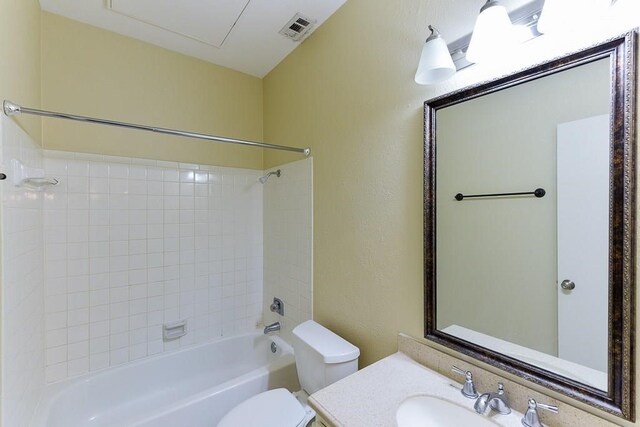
{"points": [[527, 275]]}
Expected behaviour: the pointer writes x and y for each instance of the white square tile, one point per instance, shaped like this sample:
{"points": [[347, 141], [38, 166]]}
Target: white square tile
{"points": [[78, 317], [78, 350], [56, 355], [137, 231], [137, 247], [78, 366], [119, 341], [77, 267], [118, 170], [56, 372], [119, 294], [117, 279], [98, 185], [77, 168], [99, 313], [99, 233], [138, 187], [78, 250], [78, 333], [155, 347], [187, 176], [56, 320], [120, 309], [118, 200], [119, 326], [98, 265], [138, 321], [99, 281], [138, 351], [138, 306], [99, 345], [98, 361], [137, 172], [98, 201], [138, 202], [78, 201], [154, 174], [171, 175], [118, 217], [155, 202], [100, 170], [56, 303], [138, 336], [118, 263], [155, 318]]}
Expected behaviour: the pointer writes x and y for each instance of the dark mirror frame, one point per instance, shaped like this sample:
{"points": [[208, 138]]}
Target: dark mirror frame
{"points": [[620, 397]]}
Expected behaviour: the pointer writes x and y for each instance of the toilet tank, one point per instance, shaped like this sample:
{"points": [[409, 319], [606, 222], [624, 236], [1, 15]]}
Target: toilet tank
{"points": [[322, 357]]}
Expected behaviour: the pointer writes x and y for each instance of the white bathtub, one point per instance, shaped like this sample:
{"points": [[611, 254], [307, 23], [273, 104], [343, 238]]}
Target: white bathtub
{"points": [[192, 387]]}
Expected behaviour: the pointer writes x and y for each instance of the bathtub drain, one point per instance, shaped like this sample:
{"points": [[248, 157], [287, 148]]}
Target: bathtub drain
{"points": [[274, 347]]}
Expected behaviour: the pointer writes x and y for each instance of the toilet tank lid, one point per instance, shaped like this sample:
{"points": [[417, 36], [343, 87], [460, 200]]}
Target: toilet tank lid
{"points": [[333, 348]]}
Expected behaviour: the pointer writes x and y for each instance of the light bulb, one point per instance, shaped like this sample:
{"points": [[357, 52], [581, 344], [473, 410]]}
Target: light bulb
{"points": [[492, 35], [567, 15]]}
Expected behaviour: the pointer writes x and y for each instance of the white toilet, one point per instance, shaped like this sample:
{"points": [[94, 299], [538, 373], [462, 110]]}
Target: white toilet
{"points": [[322, 358]]}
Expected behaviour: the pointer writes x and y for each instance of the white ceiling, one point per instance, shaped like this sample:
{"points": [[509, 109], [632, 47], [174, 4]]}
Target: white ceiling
{"points": [[238, 34]]}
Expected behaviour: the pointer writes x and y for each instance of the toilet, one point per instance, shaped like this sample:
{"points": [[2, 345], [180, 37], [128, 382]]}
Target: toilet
{"points": [[322, 358]]}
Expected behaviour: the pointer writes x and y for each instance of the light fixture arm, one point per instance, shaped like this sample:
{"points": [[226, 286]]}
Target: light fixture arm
{"points": [[488, 4], [435, 34]]}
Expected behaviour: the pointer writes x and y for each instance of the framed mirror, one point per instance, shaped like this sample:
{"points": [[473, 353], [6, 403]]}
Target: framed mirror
{"points": [[530, 201]]}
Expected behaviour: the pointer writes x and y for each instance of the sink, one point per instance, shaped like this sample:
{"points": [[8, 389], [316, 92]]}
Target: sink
{"points": [[424, 410]]}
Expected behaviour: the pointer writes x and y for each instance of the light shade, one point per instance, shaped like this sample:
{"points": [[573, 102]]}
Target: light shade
{"points": [[435, 63], [493, 34], [566, 15]]}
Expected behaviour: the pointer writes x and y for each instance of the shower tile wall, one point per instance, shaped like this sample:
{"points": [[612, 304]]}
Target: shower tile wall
{"points": [[131, 244], [288, 243], [22, 283]]}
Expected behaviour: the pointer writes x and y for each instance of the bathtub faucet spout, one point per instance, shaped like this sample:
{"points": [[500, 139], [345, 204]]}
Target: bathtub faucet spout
{"points": [[272, 327]]}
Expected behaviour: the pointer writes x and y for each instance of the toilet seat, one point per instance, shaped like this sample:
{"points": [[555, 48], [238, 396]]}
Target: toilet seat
{"points": [[273, 408]]}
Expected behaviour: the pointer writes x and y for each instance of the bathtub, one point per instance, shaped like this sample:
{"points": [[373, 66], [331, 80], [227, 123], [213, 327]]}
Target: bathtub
{"points": [[191, 387]]}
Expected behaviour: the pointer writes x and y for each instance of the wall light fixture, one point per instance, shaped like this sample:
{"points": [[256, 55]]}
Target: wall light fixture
{"points": [[492, 35], [566, 15], [435, 63], [495, 31]]}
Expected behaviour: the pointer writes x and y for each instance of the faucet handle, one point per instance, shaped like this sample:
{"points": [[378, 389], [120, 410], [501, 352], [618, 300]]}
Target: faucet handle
{"points": [[531, 418], [500, 388], [468, 389]]}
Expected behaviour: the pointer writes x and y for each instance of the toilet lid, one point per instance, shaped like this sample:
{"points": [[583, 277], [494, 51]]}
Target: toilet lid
{"points": [[273, 408]]}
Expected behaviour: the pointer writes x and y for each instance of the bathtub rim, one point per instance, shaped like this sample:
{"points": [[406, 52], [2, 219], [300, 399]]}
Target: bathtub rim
{"points": [[51, 391]]}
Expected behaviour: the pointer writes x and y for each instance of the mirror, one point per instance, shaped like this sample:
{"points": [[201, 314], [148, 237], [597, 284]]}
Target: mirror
{"points": [[529, 223]]}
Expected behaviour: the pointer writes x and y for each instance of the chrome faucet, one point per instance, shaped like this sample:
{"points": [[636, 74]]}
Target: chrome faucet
{"points": [[272, 327], [468, 389], [496, 401], [531, 417]]}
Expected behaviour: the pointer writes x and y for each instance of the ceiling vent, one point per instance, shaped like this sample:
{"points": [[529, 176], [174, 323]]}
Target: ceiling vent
{"points": [[297, 27]]}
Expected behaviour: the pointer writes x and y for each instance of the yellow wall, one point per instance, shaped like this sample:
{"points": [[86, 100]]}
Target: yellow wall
{"points": [[362, 117], [93, 72], [361, 114], [20, 58]]}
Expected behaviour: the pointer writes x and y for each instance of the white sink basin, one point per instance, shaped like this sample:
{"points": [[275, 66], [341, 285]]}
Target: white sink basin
{"points": [[424, 410]]}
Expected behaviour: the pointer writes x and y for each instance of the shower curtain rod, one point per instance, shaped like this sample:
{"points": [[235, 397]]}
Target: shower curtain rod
{"points": [[12, 109]]}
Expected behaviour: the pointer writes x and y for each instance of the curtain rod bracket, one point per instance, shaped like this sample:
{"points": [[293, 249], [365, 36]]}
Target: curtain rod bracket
{"points": [[12, 109]]}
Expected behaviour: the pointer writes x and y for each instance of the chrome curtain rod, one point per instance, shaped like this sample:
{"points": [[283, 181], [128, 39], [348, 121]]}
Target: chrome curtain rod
{"points": [[12, 109]]}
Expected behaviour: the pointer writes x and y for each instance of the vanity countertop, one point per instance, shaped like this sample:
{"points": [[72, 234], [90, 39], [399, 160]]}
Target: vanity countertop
{"points": [[371, 396]]}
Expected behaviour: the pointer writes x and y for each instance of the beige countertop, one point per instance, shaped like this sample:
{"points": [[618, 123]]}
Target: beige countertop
{"points": [[371, 396]]}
